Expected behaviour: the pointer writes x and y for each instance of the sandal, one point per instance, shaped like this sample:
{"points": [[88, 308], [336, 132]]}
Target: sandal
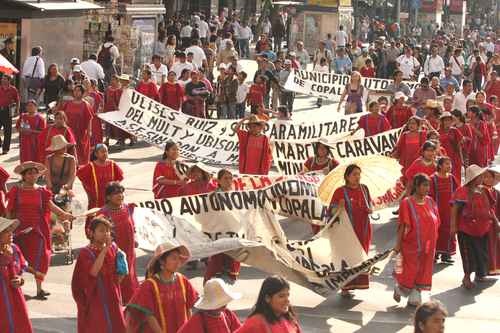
{"points": [[396, 296], [40, 296]]}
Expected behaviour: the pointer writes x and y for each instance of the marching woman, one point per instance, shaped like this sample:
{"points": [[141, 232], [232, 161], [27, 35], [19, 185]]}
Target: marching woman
{"points": [[164, 300], [480, 138], [272, 313], [97, 103], [213, 316], [221, 265], [374, 122], [61, 166], [472, 215], [96, 282], [171, 92], [121, 217], [416, 242], [147, 86], [425, 164], [490, 179], [199, 181], [13, 309], [451, 140], [29, 125], [409, 144], [443, 185], [80, 114], [97, 174], [166, 178], [354, 197], [32, 205], [58, 128], [112, 97], [254, 148], [322, 160], [460, 123], [4, 176], [399, 113]]}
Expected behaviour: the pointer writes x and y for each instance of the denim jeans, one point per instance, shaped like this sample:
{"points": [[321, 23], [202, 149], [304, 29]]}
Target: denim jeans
{"points": [[244, 48], [240, 110], [286, 99], [227, 111]]}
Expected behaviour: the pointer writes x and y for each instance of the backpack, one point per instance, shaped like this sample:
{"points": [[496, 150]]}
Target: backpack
{"points": [[104, 57]]}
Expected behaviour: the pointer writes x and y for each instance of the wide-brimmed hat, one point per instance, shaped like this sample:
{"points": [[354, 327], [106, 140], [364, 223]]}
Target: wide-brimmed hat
{"points": [[446, 114], [496, 170], [253, 119], [200, 165], [29, 165], [8, 223], [216, 294], [58, 142], [167, 247], [77, 68], [75, 61], [124, 77], [472, 172], [400, 94]]}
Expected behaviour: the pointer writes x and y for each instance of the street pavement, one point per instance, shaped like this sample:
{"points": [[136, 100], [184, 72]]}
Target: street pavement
{"points": [[370, 311]]}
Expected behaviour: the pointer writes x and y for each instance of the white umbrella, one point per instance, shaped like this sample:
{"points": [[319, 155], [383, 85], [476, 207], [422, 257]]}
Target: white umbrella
{"points": [[6, 67], [379, 173]]}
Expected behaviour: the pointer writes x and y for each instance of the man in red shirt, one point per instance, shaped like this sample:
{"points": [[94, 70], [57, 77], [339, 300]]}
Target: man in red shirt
{"points": [[8, 96], [492, 87]]}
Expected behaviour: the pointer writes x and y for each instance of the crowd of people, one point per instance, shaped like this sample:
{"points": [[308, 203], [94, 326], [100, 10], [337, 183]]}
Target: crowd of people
{"points": [[449, 124]]}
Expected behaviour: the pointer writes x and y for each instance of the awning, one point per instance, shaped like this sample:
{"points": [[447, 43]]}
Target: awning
{"points": [[19, 9], [59, 5]]}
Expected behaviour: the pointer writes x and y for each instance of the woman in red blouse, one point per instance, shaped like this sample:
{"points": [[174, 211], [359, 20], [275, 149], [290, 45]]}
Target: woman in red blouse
{"points": [[322, 159], [425, 164], [272, 313], [374, 122], [416, 242], [490, 179], [112, 97], [167, 179], [171, 92], [96, 100], [147, 86], [399, 113], [199, 181], [472, 216], [443, 185], [480, 138], [254, 149], [355, 198], [32, 205], [4, 176], [409, 144], [460, 123], [58, 128], [30, 125], [451, 140]]}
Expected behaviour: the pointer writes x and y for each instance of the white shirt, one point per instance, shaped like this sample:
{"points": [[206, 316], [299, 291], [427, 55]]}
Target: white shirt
{"points": [[244, 32], [29, 66], [489, 46], [242, 92], [157, 74], [186, 31], [433, 64], [460, 101], [406, 65], [456, 63], [341, 38], [322, 69], [203, 28], [113, 50], [92, 69], [179, 67], [198, 55], [266, 27]]}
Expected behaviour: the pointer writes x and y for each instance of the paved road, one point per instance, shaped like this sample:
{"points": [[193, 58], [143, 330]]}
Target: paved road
{"points": [[371, 311]]}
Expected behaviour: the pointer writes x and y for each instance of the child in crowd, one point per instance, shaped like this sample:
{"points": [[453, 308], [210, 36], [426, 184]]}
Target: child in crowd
{"points": [[368, 70], [255, 96], [241, 95], [322, 67]]}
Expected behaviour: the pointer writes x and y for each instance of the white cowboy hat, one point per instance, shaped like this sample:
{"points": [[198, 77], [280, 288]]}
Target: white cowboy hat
{"points": [[8, 223], [29, 165], [167, 247], [202, 166], [472, 172], [216, 294], [400, 94], [446, 114], [58, 142]]}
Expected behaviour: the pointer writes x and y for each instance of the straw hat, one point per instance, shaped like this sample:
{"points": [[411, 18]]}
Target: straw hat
{"points": [[472, 172], [202, 166], [216, 294], [58, 142], [124, 77], [8, 224], [29, 165], [400, 94], [253, 119], [167, 247], [446, 114], [496, 170]]}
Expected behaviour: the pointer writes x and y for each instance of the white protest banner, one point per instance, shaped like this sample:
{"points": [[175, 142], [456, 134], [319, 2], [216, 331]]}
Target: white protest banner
{"points": [[331, 85], [290, 156], [326, 262]]}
